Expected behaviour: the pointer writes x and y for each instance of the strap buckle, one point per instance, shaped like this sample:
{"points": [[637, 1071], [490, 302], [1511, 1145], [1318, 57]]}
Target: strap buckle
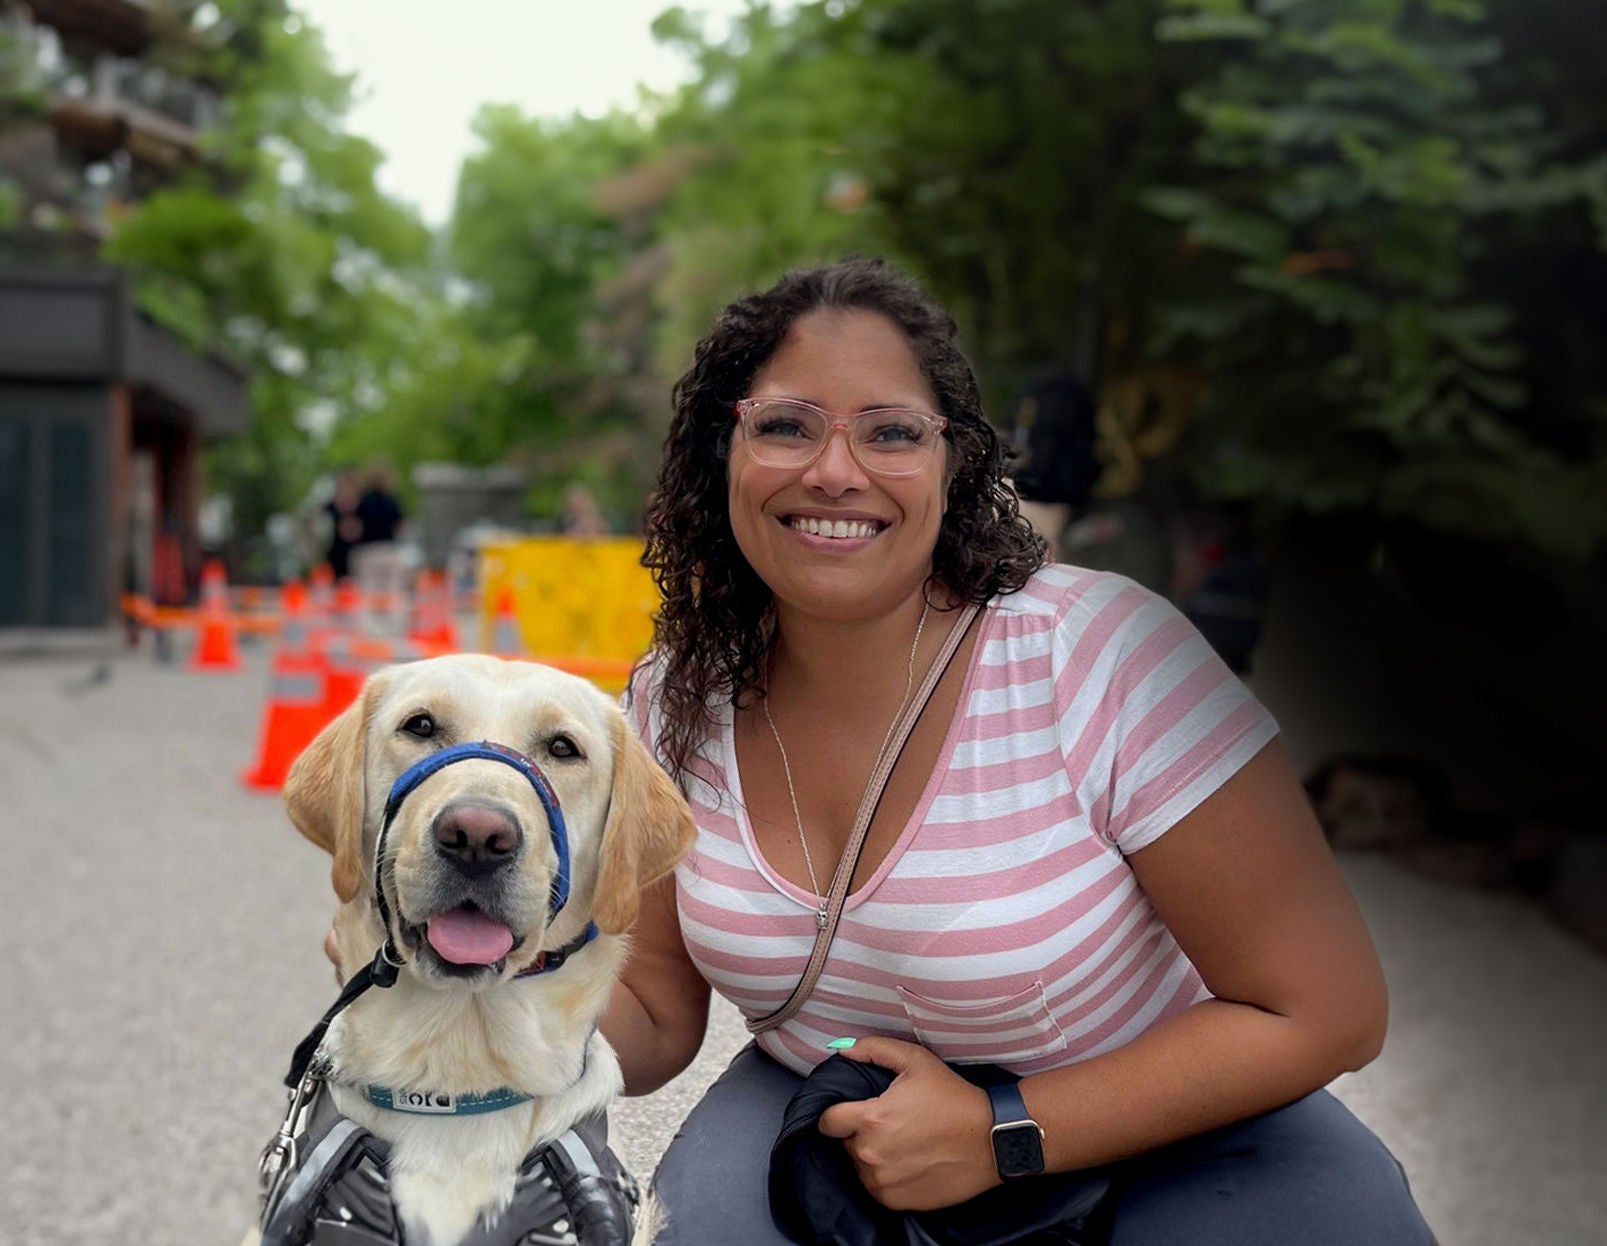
{"points": [[279, 1158]]}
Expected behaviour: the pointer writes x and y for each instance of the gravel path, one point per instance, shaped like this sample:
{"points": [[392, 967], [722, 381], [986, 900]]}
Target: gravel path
{"points": [[162, 926]]}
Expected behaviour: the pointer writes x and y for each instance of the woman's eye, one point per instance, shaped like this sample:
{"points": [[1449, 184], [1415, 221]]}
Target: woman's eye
{"points": [[781, 427], [562, 748], [897, 428], [420, 725]]}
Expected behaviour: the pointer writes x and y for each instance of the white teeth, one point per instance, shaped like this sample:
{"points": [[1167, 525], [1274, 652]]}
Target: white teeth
{"points": [[837, 529]]}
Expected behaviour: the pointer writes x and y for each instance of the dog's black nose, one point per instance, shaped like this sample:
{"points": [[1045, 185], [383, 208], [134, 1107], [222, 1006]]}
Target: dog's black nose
{"points": [[476, 837]]}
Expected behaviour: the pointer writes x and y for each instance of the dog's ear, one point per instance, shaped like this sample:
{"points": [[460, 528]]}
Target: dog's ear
{"points": [[324, 791], [649, 829]]}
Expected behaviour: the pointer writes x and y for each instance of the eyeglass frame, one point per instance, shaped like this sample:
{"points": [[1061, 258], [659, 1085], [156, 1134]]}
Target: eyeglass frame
{"points": [[844, 421]]}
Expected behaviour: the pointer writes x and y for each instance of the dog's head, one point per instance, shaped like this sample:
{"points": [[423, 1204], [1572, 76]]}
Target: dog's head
{"points": [[470, 857]]}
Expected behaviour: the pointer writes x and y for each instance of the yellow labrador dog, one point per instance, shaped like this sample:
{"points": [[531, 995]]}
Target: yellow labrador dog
{"points": [[492, 825]]}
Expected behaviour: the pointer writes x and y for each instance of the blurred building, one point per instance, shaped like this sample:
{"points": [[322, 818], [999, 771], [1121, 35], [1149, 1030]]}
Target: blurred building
{"points": [[102, 411]]}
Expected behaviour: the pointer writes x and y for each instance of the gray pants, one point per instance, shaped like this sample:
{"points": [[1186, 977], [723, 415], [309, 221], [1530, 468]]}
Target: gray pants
{"points": [[1308, 1173]]}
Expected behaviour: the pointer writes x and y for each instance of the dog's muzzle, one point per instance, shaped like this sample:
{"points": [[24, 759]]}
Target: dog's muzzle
{"points": [[471, 835]]}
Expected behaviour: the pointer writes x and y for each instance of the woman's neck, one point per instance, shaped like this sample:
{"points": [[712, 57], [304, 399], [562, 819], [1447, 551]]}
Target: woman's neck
{"points": [[846, 661]]}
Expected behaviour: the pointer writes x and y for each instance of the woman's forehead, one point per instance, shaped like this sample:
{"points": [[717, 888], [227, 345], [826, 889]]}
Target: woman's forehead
{"points": [[835, 349]]}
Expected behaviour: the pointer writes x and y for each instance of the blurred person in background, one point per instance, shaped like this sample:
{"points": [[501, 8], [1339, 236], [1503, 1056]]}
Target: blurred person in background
{"points": [[345, 526], [1051, 430], [1092, 866], [1220, 582], [377, 562], [579, 514]]}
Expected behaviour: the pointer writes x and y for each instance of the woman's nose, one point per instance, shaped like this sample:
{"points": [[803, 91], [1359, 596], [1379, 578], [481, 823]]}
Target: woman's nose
{"points": [[836, 470]]}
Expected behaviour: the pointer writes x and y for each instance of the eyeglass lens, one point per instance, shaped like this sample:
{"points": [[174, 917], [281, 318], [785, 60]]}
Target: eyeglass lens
{"points": [[790, 434]]}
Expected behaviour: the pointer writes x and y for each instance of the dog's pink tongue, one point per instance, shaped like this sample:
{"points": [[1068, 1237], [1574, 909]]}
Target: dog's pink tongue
{"points": [[466, 937]]}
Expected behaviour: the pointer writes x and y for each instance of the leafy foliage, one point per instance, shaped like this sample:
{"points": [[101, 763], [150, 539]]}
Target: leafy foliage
{"points": [[1354, 179], [283, 254], [1369, 232]]}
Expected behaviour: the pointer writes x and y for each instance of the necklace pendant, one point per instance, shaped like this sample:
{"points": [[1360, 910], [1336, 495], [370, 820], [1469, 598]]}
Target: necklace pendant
{"points": [[820, 918]]}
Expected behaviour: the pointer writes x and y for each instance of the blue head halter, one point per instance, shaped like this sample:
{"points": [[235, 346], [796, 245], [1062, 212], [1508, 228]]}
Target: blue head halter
{"points": [[483, 751]]}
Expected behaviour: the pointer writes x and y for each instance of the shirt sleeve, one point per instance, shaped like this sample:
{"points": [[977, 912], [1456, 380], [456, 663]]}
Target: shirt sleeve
{"points": [[1150, 720]]}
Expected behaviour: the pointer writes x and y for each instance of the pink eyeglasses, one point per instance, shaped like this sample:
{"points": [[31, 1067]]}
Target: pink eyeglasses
{"points": [[886, 441]]}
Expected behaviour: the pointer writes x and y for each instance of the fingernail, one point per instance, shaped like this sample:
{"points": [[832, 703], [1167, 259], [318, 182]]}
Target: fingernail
{"points": [[840, 1044]]}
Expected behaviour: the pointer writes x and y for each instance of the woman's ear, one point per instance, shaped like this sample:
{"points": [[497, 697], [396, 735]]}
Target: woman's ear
{"points": [[649, 829], [324, 792]]}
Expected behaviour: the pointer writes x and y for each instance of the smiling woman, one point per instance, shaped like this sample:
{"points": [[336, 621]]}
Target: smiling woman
{"points": [[1091, 866]]}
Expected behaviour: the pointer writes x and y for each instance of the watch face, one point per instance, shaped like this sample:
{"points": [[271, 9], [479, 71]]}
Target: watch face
{"points": [[1018, 1150]]}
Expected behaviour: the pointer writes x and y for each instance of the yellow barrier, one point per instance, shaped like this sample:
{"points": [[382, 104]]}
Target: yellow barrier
{"points": [[585, 603]]}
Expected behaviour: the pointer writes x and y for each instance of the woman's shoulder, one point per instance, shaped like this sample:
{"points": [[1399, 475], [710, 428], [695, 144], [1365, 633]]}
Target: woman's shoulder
{"points": [[1059, 590]]}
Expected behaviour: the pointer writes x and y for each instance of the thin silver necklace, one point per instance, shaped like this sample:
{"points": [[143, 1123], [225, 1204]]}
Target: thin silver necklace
{"points": [[786, 766]]}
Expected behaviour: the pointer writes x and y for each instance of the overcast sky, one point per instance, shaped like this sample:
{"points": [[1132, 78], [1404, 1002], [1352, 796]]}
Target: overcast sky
{"points": [[424, 67]]}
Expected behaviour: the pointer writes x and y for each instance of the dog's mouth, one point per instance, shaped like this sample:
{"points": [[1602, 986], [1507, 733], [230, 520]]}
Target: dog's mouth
{"points": [[463, 940]]}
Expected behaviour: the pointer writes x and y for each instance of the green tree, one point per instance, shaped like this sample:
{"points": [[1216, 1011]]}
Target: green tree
{"points": [[282, 253], [520, 366], [777, 137], [1355, 178], [1015, 166], [999, 151]]}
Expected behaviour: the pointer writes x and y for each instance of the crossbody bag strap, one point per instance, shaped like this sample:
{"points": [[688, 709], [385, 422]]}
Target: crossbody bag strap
{"points": [[849, 861]]}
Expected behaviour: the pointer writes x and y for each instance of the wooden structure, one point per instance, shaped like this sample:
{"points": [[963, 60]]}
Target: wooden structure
{"points": [[102, 415]]}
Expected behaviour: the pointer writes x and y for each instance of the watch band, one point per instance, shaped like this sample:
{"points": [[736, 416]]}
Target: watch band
{"points": [[1009, 1108], [1017, 1138]]}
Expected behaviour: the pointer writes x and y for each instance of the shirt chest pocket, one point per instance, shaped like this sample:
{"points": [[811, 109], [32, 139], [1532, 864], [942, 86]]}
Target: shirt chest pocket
{"points": [[999, 1030]]}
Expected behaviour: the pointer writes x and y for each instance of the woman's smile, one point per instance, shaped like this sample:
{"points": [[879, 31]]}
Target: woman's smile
{"points": [[835, 531]]}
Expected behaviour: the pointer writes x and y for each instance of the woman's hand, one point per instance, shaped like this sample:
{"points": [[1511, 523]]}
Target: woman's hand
{"points": [[925, 1141], [332, 950]]}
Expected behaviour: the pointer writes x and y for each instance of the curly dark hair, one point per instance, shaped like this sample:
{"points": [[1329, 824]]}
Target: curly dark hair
{"points": [[712, 633]]}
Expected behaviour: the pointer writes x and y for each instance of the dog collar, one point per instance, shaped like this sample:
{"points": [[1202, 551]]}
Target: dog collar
{"points": [[383, 971], [546, 962], [443, 1103]]}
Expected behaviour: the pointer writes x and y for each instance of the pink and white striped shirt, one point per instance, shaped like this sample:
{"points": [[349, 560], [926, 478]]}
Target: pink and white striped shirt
{"points": [[1004, 925]]}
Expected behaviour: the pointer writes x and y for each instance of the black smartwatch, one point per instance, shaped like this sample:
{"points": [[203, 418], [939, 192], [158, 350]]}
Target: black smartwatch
{"points": [[1017, 1138]]}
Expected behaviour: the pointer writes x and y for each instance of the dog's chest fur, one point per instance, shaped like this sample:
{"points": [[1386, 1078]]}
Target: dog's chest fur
{"points": [[536, 1036]]}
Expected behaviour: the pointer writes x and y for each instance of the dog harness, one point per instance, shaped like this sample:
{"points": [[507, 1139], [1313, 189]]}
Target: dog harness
{"points": [[572, 1191], [324, 1178]]}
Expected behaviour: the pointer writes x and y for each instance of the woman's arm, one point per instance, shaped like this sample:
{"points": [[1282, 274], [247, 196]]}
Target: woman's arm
{"points": [[1250, 890], [659, 1008]]}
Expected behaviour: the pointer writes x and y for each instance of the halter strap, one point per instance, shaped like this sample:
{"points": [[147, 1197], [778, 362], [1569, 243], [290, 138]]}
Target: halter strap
{"points": [[485, 750]]}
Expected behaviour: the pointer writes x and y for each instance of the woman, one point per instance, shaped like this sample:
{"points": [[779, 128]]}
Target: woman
{"points": [[1092, 863]]}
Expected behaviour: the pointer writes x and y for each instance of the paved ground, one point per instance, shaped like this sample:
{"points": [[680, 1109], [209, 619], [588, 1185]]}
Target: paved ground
{"points": [[162, 929]]}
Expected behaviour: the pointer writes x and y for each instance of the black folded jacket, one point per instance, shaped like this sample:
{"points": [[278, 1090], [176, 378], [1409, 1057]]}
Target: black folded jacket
{"points": [[816, 1198]]}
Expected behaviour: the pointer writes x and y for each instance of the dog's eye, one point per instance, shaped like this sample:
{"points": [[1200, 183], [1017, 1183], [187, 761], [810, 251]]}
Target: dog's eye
{"points": [[562, 748], [420, 725]]}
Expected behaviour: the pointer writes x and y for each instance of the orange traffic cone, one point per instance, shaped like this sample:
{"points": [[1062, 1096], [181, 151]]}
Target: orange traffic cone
{"points": [[433, 628], [347, 619], [215, 649], [506, 639], [295, 709], [348, 662], [321, 599], [345, 668]]}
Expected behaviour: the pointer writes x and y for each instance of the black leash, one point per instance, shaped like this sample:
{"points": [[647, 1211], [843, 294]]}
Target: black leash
{"points": [[382, 973]]}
